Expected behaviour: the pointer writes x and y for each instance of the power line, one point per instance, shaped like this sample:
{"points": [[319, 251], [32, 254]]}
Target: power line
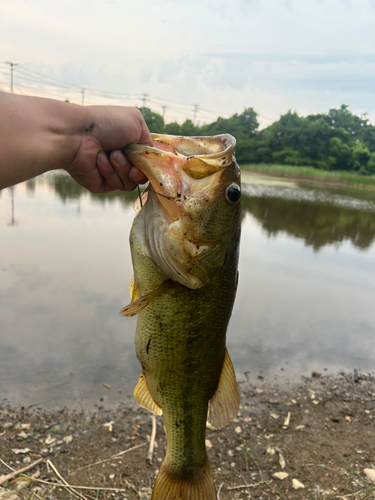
{"points": [[40, 79]]}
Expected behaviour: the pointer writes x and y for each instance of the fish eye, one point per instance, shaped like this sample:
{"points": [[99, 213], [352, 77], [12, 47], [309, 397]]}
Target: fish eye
{"points": [[233, 193]]}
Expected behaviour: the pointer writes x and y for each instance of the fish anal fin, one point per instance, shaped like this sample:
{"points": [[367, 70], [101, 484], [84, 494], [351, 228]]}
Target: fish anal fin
{"points": [[134, 290], [223, 406], [143, 397], [171, 486], [138, 305]]}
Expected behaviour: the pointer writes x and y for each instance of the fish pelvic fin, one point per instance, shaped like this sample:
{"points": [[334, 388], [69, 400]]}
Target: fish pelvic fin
{"points": [[138, 305], [171, 486], [223, 406], [143, 396]]}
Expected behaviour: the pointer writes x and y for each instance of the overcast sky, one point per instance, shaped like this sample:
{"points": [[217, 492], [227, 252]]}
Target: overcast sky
{"points": [[272, 55]]}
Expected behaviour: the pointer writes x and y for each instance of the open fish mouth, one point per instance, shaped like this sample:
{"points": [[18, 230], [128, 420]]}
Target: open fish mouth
{"points": [[173, 163]]}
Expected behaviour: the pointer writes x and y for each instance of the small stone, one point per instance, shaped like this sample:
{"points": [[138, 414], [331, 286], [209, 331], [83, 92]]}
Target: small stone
{"points": [[299, 427], [8, 495], [49, 439], [370, 473], [287, 421], [109, 425], [112, 476], [22, 435], [22, 427], [348, 419], [297, 485], [19, 451], [230, 453], [281, 475], [270, 450], [238, 430], [274, 415], [68, 439], [208, 444]]}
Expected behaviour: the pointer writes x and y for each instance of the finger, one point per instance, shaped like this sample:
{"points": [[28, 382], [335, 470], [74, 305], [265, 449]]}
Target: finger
{"points": [[125, 169], [122, 166], [107, 171], [137, 176]]}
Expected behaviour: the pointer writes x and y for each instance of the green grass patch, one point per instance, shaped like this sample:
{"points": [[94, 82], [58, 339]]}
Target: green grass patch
{"points": [[312, 174]]}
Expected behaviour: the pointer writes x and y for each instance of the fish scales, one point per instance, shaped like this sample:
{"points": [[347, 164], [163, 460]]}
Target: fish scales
{"points": [[180, 334]]}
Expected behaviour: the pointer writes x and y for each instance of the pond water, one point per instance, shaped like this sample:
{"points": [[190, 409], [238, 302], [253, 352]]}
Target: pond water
{"points": [[305, 302]]}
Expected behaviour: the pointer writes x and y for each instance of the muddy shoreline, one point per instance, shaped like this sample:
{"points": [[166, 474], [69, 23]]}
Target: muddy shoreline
{"points": [[309, 440]]}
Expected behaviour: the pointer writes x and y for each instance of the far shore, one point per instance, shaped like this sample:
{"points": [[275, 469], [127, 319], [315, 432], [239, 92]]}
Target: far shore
{"points": [[310, 174]]}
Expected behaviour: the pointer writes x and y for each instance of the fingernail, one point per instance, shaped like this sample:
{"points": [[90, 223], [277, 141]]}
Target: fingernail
{"points": [[102, 157], [119, 158], [136, 175]]}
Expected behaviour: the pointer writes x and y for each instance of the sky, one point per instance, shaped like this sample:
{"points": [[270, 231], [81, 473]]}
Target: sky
{"points": [[223, 56]]}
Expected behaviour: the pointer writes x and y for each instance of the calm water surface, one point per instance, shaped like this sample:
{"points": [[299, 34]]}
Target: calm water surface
{"points": [[306, 296]]}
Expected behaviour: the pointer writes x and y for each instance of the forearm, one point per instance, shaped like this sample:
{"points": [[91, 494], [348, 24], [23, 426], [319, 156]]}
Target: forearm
{"points": [[36, 135]]}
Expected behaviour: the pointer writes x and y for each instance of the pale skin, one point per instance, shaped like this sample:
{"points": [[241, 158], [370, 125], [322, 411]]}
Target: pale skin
{"points": [[38, 135]]}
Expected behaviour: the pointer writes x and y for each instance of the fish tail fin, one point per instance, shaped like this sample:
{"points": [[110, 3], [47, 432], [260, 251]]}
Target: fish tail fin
{"points": [[172, 486]]}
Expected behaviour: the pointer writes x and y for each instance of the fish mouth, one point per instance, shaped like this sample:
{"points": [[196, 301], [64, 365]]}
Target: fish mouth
{"points": [[174, 163]]}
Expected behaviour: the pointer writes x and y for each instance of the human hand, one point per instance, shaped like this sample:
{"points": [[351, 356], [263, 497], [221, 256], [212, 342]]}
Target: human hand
{"points": [[99, 165]]}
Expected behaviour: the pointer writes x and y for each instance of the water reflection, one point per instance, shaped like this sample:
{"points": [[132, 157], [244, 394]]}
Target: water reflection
{"points": [[319, 223], [67, 190]]}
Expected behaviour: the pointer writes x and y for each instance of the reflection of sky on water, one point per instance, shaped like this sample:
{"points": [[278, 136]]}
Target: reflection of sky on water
{"points": [[300, 310], [64, 274]]}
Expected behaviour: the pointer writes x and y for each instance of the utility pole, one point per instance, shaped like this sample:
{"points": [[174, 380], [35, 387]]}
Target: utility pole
{"points": [[144, 100], [196, 109], [164, 108], [12, 220], [12, 65], [83, 96]]}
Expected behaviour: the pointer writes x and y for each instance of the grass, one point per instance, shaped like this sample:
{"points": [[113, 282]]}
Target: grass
{"points": [[313, 174]]}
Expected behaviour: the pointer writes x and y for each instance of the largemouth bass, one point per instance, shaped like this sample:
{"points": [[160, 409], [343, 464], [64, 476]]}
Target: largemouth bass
{"points": [[184, 244]]}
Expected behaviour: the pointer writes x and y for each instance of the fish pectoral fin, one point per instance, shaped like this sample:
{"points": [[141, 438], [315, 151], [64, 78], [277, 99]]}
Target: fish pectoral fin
{"points": [[138, 305], [223, 406], [134, 290], [143, 396]]}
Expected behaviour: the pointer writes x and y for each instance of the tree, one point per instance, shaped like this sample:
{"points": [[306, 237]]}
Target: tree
{"points": [[188, 128], [155, 122], [340, 155], [361, 157], [242, 126], [173, 128]]}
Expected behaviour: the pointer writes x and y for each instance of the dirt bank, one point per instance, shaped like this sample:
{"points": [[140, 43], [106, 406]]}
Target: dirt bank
{"points": [[319, 433]]}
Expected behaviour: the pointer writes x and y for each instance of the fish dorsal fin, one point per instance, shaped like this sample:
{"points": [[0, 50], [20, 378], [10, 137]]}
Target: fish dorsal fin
{"points": [[139, 304], [223, 406], [143, 397], [134, 290]]}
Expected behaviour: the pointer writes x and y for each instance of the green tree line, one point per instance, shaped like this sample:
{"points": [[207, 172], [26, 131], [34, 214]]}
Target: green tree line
{"points": [[338, 140]]}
